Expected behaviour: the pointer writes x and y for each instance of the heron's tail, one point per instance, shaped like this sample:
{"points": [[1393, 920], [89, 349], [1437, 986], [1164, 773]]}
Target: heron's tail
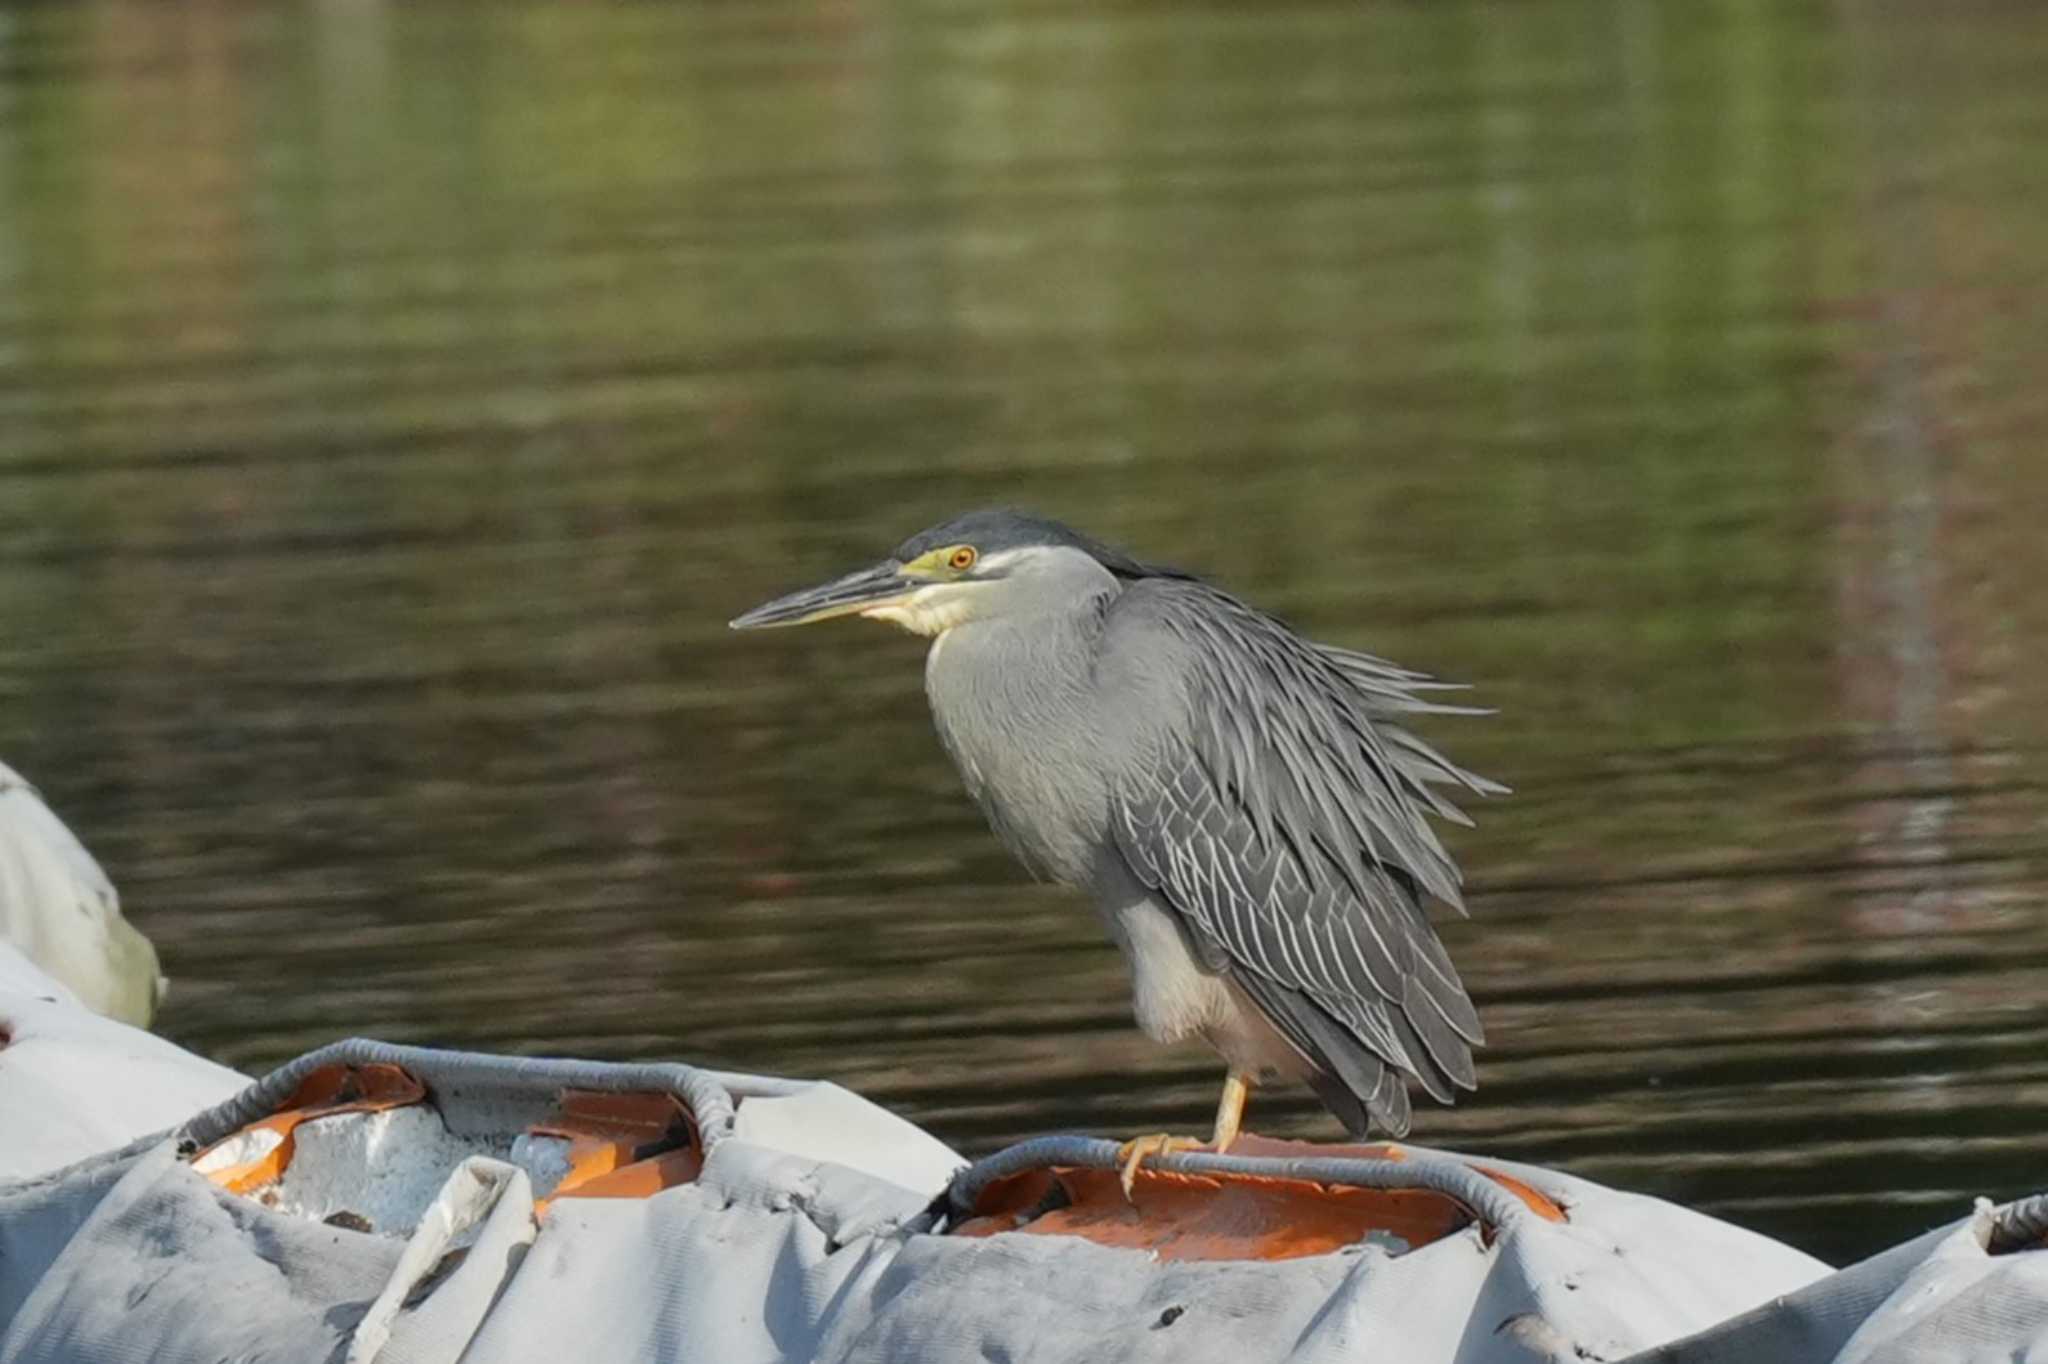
{"points": [[1363, 1084]]}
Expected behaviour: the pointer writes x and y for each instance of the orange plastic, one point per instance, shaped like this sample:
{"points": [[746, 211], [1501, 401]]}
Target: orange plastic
{"points": [[620, 1145], [607, 1134], [327, 1091], [639, 1179], [644, 1116], [1232, 1217]]}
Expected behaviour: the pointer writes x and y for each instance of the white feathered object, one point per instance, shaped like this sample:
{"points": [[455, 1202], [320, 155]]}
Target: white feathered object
{"points": [[58, 907]]}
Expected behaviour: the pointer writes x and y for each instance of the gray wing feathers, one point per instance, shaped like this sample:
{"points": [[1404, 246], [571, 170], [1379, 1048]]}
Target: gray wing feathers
{"points": [[1355, 1082], [1285, 819], [1388, 691], [1251, 897]]}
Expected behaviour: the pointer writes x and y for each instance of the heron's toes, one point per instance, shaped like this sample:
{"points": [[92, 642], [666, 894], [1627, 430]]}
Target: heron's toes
{"points": [[1134, 1152]]}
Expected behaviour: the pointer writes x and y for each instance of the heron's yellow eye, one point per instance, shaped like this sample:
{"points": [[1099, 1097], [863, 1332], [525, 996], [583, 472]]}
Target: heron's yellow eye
{"points": [[962, 559]]}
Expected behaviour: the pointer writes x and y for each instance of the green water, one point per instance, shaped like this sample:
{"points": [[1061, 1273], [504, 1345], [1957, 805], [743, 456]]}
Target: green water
{"points": [[396, 400]]}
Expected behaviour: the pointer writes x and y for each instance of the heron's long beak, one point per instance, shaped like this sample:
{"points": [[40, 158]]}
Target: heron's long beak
{"points": [[857, 591]]}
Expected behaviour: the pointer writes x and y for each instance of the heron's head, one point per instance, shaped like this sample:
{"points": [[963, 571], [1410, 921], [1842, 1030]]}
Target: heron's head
{"points": [[975, 567]]}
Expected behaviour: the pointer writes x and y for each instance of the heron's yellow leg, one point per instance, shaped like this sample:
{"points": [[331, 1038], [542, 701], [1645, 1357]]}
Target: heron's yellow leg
{"points": [[1237, 1087], [1133, 1153]]}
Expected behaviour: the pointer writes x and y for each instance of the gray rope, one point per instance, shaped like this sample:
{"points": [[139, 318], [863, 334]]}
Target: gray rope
{"points": [[2019, 1226], [709, 1102], [1485, 1199]]}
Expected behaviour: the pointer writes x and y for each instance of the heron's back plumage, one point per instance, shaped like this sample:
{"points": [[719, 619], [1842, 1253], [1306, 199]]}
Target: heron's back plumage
{"points": [[1281, 810]]}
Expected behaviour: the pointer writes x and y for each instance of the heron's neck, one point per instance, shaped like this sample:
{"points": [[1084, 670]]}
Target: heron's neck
{"points": [[1016, 706], [1046, 648]]}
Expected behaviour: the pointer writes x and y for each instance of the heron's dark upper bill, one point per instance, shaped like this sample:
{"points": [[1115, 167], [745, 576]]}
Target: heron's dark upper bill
{"points": [[856, 591]]}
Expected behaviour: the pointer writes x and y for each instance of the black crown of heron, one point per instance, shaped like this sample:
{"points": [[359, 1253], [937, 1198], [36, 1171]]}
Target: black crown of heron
{"points": [[1247, 808]]}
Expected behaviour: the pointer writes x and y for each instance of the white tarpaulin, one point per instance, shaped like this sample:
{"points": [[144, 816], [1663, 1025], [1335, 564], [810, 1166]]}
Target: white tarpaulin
{"points": [[72, 1083], [1973, 1292], [397, 1206], [59, 909]]}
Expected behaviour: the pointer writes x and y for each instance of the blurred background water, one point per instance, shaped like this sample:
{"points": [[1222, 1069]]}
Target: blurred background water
{"points": [[396, 400]]}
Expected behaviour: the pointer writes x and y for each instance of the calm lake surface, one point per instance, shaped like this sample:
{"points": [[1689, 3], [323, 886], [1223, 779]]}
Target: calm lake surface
{"points": [[396, 400]]}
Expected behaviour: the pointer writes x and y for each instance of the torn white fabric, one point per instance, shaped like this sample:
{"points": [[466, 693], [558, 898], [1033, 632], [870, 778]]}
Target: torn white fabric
{"points": [[811, 1121], [1961, 1304], [59, 909], [781, 1251], [1953, 1296], [73, 1083], [476, 1231]]}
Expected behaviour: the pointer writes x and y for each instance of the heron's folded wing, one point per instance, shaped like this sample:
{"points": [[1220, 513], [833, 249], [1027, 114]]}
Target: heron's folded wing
{"points": [[1274, 815]]}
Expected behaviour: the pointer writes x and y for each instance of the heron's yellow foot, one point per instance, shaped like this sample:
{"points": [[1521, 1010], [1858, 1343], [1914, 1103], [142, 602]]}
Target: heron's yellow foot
{"points": [[1134, 1152]]}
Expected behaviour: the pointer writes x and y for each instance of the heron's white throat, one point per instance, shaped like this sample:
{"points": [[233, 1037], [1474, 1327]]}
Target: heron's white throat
{"points": [[929, 611]]}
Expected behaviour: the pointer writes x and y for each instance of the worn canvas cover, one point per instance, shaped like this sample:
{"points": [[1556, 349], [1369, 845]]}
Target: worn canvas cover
{"points": [[772, 1256], [58, 908], [73, 1083], [815, 1231], [1972, 1292]]}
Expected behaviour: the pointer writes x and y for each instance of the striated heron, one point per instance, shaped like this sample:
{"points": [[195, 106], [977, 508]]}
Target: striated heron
{"points": [[1247, 807]]}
